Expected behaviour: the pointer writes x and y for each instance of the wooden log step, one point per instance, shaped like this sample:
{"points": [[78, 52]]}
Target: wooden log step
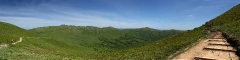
{"points": [[208, 48], [219, 44], [218, 40], [203, 58]]}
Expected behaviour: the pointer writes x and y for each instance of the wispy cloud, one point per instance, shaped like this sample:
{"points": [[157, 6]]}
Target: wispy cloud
{"points": [[30, 18]]}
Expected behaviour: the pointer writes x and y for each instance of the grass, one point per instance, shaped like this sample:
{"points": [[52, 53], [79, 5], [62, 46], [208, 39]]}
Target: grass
{"points": [[32, 48], [108, 37], [160, 49], [46, 45]]}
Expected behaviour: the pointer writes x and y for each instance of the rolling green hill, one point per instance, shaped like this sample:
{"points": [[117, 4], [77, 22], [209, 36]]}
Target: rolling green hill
{"points": [[75, 42], [88, 42], [10, 31], [161, 49], [33, 45], [107, 37]]}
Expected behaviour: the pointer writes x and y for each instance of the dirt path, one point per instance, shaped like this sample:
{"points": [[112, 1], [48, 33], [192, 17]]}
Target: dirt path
{"points": [[20, 40], [3, 46], [6, 45], [214, 48]]}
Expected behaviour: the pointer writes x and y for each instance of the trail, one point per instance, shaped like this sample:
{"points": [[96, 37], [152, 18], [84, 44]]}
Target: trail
{"points": [[3, 46], [20, 40], [6, 45], [215, 47]]}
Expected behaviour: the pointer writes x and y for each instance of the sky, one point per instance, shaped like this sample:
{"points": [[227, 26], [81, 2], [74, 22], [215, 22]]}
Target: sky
{"points": [[157, 14]]}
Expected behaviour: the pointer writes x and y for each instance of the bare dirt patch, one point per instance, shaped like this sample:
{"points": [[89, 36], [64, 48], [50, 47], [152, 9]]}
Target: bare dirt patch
{"points": [[6, 45]]}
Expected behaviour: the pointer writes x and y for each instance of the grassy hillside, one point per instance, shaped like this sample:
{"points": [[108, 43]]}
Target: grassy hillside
{"points": [[229, 23], [107, 37], [35, 46], [160, 49], [43, 48], [51, 47], [10, 31], [74, 42]]}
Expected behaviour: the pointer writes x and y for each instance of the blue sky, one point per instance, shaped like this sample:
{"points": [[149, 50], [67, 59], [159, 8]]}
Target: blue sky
{"points": [[158, 14]]}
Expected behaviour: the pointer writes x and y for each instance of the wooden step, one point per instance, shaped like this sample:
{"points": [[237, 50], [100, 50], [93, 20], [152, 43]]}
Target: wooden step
{"points": [[208, 48], [203, 58], [218, 40], [219, 44]]}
